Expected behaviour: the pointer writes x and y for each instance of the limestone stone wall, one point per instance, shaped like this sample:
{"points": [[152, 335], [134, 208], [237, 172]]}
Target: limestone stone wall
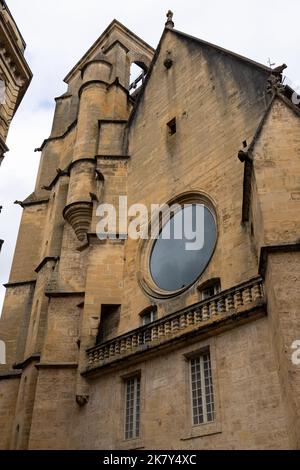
{"points": [[62, 274], [283, 287], [277, 176], [249, 410], [216, 106]]}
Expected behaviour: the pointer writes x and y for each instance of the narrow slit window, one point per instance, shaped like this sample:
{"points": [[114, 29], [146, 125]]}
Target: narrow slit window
{"points": [[172, 128], [202, 390], [132, 407]]}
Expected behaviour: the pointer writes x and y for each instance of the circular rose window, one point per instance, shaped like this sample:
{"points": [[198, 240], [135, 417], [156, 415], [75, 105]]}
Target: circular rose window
{"points": [[183, 248]]}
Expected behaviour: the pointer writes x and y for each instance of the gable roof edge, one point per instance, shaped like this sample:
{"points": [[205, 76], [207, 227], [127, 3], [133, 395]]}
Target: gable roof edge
{"points": [[100, 38], [223, 50]]}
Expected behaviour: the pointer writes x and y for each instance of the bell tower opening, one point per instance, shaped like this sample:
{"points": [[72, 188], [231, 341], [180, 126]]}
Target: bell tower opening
{"points": [[137, 76]]}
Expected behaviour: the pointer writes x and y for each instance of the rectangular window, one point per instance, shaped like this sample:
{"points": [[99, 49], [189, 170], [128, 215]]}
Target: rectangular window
{"points": [[211, 291], [109, 322], [202, 389], [148, 317], [132, 407]]}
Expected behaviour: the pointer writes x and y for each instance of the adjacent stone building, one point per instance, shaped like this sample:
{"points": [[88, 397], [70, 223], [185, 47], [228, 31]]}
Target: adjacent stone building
{"points": [[109, 343], [15, 74]]}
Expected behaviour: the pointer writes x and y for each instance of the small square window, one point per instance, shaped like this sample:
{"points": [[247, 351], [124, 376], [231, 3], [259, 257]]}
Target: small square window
{"points": [[172, 126], [148, 316], [211, 290]]}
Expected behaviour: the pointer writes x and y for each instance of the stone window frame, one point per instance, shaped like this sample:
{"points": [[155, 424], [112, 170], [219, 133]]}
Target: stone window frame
{"points": [[192, 431], [145, 248], [138, 442], [132, 413], [205, 411], [152, 311], [213, 283]]}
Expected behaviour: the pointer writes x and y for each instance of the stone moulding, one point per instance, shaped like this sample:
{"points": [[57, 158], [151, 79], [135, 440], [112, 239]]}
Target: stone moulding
{"points": [[56, 365], [59, 137], [7, 375], [19, 284], [79, 216], [61, 294], [242, 303], [269, 249], [29, 360], [103, 59], [46, 260]]}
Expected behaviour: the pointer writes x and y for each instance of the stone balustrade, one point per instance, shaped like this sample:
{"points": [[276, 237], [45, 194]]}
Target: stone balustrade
{"points": [[242, 298]]}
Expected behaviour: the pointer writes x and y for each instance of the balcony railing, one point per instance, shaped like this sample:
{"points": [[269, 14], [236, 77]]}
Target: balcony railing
{"points": [[242, 298]]}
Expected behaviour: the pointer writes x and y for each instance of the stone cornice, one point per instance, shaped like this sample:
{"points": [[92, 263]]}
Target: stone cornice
{"points": [[103, 60], [63, 97], [66, 172], [13, 56], [56, 293], [113, 157], [269, 249], [29, 360], [8, 375], [16, 55], [112, 121], [19, 284], [36, 202], [59, 137], [90, 83], [57, 365], [46, 260]]}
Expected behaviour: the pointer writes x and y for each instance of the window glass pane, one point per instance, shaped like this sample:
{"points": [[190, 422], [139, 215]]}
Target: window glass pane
{"points": [[132, 407], [202, 390], [149, 317], [177, 260]]}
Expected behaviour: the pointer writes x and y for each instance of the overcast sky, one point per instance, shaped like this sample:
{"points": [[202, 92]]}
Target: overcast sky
{"points": [[58, 33]]}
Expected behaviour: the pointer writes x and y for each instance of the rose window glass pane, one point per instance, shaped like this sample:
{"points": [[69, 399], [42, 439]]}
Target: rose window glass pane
{"points": [[183, 248]]}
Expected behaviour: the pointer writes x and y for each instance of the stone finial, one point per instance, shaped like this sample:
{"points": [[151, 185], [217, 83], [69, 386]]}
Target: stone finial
{"points": [[278, 70], [275, 80], [274, 84], [170, 22]]}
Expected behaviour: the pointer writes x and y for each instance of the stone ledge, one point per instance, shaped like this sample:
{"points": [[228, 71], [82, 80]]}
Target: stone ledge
{"points": [[281, 248], [19, 284], [8, 375], [27, 361], [56, 365], [45, 261], [64, 294]]}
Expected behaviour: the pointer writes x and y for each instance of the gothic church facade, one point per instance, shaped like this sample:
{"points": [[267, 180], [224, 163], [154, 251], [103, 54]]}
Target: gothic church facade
{"points": [[103, 354]]}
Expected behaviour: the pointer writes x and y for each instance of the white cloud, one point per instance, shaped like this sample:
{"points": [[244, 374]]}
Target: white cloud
{"points": [[58, 33]]}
